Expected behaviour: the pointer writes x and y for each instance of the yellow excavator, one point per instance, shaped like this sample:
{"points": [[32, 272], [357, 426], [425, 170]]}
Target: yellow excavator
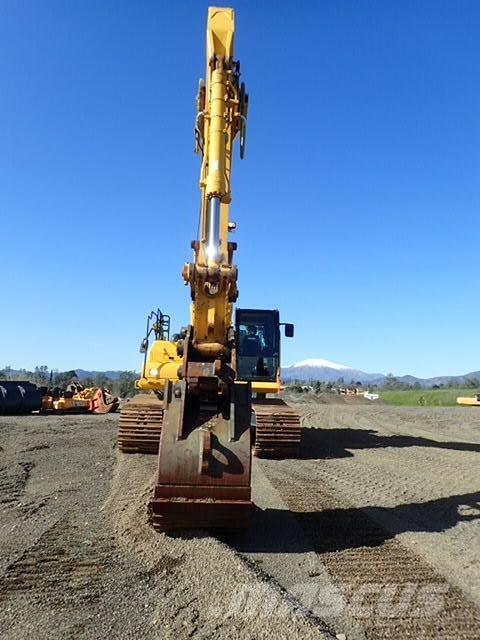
{"points": [[202, 401]]}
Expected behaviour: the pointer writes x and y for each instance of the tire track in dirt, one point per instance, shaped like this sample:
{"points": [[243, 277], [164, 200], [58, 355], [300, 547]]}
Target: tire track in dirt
{"points": [[13, 480], [371, 481], [382, 456], [61, 566], [388, 589]]}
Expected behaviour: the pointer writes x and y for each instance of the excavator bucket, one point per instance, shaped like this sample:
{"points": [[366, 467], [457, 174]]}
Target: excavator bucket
{"points": [[140, 424], [204, 463], [103, 402]]}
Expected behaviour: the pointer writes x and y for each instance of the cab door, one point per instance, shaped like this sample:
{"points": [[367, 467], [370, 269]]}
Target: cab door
{"points": [[257, 344]]}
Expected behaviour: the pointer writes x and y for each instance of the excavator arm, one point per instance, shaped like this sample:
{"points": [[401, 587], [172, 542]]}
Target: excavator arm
{"points": [[198, 413], [205, 448], [221, 117]]}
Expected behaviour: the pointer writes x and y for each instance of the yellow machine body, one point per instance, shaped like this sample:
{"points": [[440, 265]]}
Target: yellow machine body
{"points": [[470, 402], [71, 404], [260, 386], [205, 445], [83, 400], [161, 365]]}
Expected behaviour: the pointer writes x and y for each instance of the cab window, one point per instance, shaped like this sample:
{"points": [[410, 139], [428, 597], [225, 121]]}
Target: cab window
{"points": [[257, 347]]}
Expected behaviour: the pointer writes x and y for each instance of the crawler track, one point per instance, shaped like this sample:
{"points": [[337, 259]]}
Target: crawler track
{"points": [[277, 431], [140, 424]]}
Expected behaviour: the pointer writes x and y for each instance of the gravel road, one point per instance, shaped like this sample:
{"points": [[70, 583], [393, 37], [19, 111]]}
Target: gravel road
{"points": [[374, 533]]}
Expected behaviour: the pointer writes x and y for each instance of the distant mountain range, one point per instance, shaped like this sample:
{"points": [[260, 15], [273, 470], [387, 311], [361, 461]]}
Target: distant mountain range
{"points": [[314, 369], [82, 374], [326, 371]]}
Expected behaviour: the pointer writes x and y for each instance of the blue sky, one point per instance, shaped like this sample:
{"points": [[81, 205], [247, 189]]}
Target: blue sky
{"points": [[357, 204]]}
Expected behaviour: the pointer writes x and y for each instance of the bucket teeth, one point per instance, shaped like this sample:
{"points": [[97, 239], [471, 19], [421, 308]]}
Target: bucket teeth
{"points": [[140, 424], [278, 430]]}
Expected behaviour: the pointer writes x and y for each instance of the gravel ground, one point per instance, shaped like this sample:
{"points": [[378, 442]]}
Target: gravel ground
{"points": [[79, 559], [388, 499], [374, 533]]}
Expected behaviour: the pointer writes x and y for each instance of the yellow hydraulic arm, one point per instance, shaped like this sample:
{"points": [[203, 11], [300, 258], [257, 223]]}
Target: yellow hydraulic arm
{"points": [[205, 445], [201, 417], [221, 116]]}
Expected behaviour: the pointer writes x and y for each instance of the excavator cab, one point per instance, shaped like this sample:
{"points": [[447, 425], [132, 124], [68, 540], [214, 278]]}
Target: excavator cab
{"points": [[258, 344], [275, 425]]}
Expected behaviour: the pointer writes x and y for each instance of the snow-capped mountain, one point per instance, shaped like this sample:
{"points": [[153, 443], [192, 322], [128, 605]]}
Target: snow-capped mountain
{"points": [[319, 362], [327, 371], [313, 369]]}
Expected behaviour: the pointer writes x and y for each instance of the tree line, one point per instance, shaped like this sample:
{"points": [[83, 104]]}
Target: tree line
{"points": [[389, 383], [43, 376]]}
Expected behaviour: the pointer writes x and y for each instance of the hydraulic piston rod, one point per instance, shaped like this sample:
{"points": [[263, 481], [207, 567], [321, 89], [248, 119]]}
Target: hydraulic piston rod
{"points": [[212, 239]]}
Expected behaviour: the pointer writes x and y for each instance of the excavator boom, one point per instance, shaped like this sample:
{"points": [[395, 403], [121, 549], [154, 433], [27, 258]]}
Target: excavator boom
{"points": [[205, 449], [197, 410]]}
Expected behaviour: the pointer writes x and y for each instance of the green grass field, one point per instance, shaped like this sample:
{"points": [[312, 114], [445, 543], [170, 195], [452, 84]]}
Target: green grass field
{"points": [[426, 397]]}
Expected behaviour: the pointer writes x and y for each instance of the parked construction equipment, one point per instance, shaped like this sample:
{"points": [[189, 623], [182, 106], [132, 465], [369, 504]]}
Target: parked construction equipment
{"points": [[25, 397], [469, 402], [78, 399], [197, 388]]}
